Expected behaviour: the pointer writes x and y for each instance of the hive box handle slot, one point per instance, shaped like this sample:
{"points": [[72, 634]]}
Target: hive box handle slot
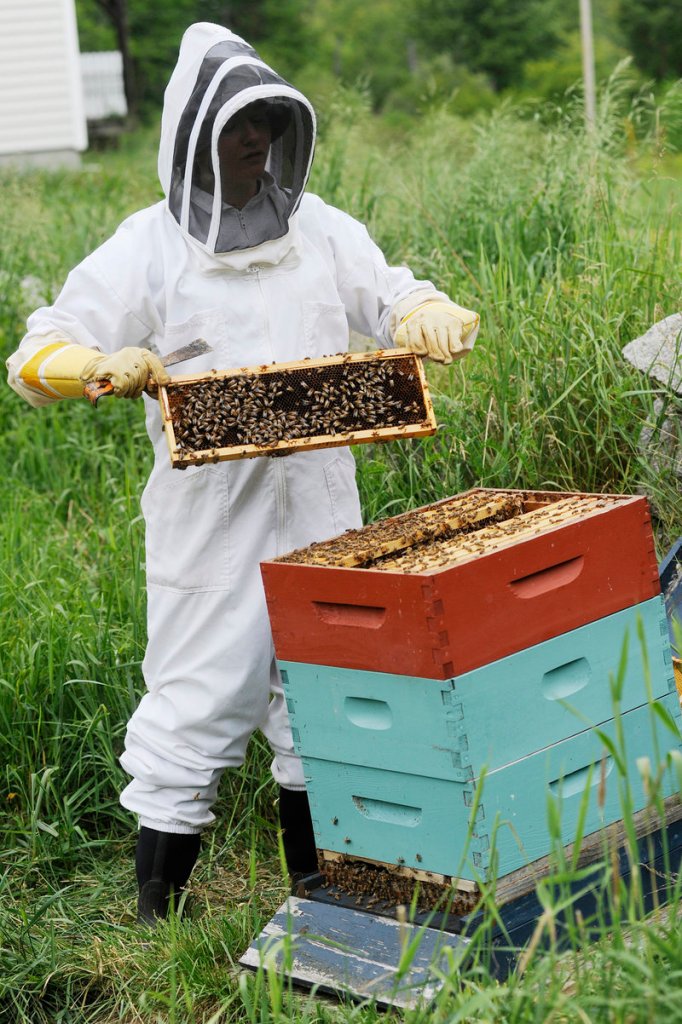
{"points": [[560, 682], [574, 783], [544, 580], [364, 616], [391, 814], [367, 713]]}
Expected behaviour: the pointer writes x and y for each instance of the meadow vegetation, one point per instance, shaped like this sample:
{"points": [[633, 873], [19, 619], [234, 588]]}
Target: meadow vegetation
{"points": [[570, 247]]}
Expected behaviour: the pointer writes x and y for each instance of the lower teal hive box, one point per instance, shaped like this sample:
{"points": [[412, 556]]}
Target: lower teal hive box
{"points": [[500, 820], [454, 776]]}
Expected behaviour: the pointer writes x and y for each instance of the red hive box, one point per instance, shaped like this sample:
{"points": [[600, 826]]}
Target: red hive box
{"points": [[455, 585]]}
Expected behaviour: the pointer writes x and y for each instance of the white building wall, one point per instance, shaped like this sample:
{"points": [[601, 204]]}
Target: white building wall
{"points": [[41, 94]]}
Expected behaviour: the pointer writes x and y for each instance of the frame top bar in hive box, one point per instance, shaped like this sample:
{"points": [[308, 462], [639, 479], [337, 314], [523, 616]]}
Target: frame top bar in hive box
{"points": [[280, 408], [460, 583]]}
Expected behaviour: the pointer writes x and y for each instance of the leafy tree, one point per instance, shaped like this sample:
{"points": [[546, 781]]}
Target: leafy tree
{"points": [[95, 30], [148, 34], [155, 33], [279, 29], [554, 75], [365, 43], [653, 31], [496, 37], [117, 13]]}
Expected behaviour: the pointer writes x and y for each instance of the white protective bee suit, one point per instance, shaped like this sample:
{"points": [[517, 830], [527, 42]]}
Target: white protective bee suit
{"points": [[279, 284]]}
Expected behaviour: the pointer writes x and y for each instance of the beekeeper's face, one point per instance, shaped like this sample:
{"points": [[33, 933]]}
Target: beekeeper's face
{"points": [[243, 147]]}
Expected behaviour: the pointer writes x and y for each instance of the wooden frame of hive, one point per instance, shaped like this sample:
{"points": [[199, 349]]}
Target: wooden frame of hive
{"points": [[413, 364], [568, 559]]}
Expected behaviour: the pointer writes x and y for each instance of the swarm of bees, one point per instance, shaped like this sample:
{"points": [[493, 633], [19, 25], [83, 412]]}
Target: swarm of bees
{"points": [[301, 402], [376, 888]]}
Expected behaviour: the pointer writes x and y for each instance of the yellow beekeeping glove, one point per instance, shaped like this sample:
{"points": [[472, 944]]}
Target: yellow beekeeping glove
{"points": [[128, 370], [440, 330]]}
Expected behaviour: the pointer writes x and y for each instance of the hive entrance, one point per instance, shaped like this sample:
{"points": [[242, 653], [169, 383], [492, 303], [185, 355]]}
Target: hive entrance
{"points": [[285, 407], [476, 523], [375, 887]]}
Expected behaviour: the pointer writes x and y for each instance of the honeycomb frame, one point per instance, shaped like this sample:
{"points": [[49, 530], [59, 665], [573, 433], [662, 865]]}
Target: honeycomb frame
{"points": [[312, 387]]}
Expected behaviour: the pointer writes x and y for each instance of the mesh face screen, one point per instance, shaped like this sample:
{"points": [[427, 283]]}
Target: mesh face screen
{"points": [[194, 166], [302, 402]]}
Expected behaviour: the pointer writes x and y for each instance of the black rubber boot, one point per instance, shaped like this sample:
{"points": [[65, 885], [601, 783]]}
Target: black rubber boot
{"points": [[298, 837], [163, 864]]}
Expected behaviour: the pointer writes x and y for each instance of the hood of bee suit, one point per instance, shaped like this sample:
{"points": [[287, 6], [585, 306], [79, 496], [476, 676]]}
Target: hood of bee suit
{"points": [[216, 76]]}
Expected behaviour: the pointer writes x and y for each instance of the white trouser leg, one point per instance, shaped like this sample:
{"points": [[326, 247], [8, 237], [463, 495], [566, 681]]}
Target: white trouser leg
{"points": [[209, 670], [287, 769]]}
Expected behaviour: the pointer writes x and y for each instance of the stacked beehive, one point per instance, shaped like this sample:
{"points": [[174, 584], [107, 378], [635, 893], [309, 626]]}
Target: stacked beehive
{"points": [[445, 669]]}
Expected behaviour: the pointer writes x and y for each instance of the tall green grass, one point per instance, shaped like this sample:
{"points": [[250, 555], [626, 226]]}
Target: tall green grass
{"points": [[568, 249], [561, 249]]}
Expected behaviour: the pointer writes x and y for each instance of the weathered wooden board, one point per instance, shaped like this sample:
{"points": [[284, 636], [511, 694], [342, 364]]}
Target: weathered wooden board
{"points": [[658, 861], [355, 954], [490, 716], [335, 949]]}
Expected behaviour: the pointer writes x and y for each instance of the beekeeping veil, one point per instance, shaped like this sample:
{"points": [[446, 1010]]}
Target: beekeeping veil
{"points": [[217, 75]]}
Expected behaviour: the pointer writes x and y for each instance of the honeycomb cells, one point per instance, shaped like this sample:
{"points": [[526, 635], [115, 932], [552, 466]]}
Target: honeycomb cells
{"points": [[262, 409]]}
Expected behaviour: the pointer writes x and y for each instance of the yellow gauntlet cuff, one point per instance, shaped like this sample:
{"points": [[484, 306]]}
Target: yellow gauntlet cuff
{"points": [[55, 369]]}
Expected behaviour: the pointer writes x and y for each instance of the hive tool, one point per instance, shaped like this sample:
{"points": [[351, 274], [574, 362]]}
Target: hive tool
{"points": [[96, 389]]}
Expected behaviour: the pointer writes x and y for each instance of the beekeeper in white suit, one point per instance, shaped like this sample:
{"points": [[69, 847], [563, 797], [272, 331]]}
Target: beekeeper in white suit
{"points": [[240, 255]]}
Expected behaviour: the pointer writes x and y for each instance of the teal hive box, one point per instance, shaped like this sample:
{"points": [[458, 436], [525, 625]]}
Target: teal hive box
{"points": [[488, 717], [422, 822]]}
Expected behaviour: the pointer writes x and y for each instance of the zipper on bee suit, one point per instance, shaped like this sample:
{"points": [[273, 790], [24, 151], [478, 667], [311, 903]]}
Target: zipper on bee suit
{"points": [[276, 464]]}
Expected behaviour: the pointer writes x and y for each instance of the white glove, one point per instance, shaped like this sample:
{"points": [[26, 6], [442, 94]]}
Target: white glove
{"points": [[128, 370], [440, 330]]}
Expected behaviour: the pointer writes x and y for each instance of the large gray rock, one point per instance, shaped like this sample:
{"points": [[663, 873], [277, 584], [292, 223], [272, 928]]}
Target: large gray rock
{"points": [[660, 440], [659, 352]]}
